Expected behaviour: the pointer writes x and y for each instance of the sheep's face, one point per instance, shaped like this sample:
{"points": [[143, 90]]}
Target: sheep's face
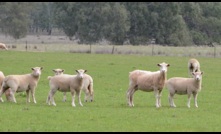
{"points": [[163, 66], [80, 73], [197, 75], [58, 71], [36, 71]]}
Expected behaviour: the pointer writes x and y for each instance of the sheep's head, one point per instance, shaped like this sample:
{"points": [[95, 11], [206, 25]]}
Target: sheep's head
{"points": [[163, 66], [58, 71], [36, 71], [197, 75], [80, 73]]}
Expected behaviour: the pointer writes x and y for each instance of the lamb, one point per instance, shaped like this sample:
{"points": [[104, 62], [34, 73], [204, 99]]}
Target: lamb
{"points": [[193, 66], [87, 85], [20, 83], [181, 86], [3, 46], [66, 83], [147, 81], [7, 92]]}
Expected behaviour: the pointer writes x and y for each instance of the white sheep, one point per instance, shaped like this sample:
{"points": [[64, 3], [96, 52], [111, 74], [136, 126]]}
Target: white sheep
{"points": [[87, 85], [193, 66], [147, 81], [7, 92], [20, 83], [66, 83], [181, 86], [3, 46]]}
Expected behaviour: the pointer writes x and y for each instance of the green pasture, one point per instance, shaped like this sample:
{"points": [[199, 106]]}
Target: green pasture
{"points": [[109, 111]]}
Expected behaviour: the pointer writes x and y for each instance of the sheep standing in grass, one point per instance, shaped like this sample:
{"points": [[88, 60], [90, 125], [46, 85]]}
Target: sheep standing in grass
{"points": [[87, 88], [193, 66], [7, 92], [20, 83], [66, 83], [3, 46], [189, 86], [87, 85], [147, 81]]}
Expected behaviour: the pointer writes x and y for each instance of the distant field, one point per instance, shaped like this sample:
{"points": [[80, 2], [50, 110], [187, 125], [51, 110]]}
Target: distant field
{"points": [[58, 43], [109, 111]]}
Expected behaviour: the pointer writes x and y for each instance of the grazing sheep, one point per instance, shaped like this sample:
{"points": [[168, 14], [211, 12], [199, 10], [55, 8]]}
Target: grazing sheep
{"points": [[181, 86], [147, 81], [66, 83], [193, 66], [87, 85], [7, 92], [20, 83], [3, 46]]}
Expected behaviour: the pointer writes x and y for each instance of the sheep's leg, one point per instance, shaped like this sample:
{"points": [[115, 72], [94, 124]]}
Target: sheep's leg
{"points": [[87, 95], [64, 98], [171, 101], [78, 92], [73, 98], [157, 96], [130, 92], [1, 92], [51, 97], [195, 99], [33, 95], [48, 99], [189, 98], [28, 96]]}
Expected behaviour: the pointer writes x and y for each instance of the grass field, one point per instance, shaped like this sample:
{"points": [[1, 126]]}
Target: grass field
{"points": [[109, 111]]}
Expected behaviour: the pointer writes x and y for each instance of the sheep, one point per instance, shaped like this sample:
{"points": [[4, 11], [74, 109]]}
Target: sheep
{"points": [[181, 86], [7, 92], [193, 66], [147, 81], [3, 46], [87, 88], [66, 83], [87, 85], [20, 83]]}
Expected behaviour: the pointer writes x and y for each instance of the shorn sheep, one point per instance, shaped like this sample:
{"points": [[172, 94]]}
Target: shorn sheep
{"points": [[66, 83], [193, 66], [7, 92], [181, 86], [147, 81], [20, 83], [87, 85], [3, 46]]}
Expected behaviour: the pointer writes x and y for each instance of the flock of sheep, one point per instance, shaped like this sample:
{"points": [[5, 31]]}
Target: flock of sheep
{"points": [[147, 81], [155, 81]]}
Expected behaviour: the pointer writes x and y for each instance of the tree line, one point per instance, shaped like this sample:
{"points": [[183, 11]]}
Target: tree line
{"points": [[168, 23]]}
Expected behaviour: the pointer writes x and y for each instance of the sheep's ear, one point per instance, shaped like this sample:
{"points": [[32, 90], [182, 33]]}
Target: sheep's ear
{"points": [[76, 71], [158, 64], [41, 68], [53, 70], [168, 65], [85, 71], [193, 73], [62, 70], [201, 73], [32, 68]]}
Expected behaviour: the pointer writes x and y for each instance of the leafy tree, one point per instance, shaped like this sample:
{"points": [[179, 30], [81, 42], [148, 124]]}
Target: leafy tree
{"points": [[14, 20]]}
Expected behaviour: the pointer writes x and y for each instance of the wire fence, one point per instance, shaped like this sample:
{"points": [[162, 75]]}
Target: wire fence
{"points": [[63, 44]]}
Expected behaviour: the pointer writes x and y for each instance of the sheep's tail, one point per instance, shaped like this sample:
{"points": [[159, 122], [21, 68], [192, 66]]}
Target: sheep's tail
{"points": [[49, 77]]}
